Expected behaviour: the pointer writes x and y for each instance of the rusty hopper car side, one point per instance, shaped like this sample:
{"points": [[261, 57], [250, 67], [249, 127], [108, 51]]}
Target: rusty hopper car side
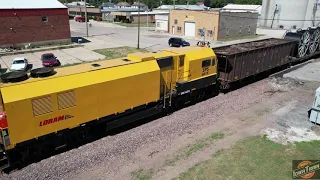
{"points": [[236, 62]]}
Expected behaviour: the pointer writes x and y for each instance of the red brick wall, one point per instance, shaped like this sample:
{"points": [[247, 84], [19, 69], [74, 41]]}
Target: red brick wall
{"points": [[27, 26]]}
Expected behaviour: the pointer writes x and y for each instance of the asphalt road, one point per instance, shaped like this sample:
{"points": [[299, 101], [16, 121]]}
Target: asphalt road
{"points": [[109, 35]]}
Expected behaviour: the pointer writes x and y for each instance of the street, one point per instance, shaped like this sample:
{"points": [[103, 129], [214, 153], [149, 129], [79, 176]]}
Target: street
{"points": [[108, 35]]}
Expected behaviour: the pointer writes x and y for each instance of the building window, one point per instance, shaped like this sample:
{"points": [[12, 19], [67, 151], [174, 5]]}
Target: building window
{"points": [[175, 21], [240, 29], [179, 29], [158, 24], [210, 33], [227, 32], [249, 29], [44, 18], [200, 32]]}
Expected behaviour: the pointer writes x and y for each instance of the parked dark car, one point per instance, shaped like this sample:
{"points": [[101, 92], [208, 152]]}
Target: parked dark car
{"points": [[49, 59], [178, 42]]}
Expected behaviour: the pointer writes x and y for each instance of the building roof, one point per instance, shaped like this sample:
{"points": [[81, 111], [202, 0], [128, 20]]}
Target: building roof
{"points": [[31, 4], [136, 4], [189, 7], [108, 4], [123, 4], [149, 13], [243, 7]]}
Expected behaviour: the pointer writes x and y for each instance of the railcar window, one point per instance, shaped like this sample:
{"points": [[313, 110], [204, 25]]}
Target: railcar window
{"points": [[213, 62], [206, 63], [66, 100], [165, 62], [42, 106]]}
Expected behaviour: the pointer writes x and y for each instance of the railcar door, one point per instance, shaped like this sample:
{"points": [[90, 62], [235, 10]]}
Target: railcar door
{"points": [[181, 68]]}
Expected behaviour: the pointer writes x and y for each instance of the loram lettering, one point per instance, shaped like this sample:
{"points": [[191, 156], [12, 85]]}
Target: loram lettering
{"points": [[54, 120]]}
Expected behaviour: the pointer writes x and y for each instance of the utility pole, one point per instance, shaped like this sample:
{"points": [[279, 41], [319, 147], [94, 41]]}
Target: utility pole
{"points": [[147, 16], [174, 4], [138, 24], [86, 17]]}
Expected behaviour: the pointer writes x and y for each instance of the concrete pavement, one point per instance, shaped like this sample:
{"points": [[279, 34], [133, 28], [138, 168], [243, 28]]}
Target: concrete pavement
{"points": [[66, 56], [108, 35]]}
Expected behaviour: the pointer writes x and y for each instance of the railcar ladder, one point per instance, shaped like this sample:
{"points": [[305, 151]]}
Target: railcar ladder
{"points": [[167, 96]]}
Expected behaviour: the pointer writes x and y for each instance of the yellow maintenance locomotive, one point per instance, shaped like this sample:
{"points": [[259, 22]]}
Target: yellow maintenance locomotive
{"points": [[44, 112]]}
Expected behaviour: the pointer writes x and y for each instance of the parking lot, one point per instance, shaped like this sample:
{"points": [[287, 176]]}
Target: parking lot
{"points": [[65, 56], [108, 35]]}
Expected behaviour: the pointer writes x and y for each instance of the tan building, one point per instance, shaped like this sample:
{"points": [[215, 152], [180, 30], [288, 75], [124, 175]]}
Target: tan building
{"points": [[191, 23], [212, 25]]}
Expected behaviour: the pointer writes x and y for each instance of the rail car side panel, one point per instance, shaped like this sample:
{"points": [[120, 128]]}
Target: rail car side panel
{"points": [[239, 63], [72, 100]]}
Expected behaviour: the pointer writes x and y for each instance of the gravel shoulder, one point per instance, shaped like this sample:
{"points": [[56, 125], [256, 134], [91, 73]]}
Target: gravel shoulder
{"points": [[147, 148]]}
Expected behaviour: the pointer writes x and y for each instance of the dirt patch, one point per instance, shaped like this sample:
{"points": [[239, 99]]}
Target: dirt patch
{"points": [[119, 52], [292, 123]]}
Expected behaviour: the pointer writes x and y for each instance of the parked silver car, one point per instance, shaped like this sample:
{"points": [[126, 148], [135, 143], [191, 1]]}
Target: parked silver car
{"points": [[19, 64]]}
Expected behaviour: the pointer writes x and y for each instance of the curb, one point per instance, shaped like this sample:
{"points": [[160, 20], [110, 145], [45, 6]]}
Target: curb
{"points": [[39, 50], [292, 68]]}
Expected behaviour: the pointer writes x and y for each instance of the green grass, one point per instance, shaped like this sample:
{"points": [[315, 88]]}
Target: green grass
{"points": [[135, 25], [110, 53], [118, 52], [141, 174], [191, 149], [239, 38], [254, 158]]}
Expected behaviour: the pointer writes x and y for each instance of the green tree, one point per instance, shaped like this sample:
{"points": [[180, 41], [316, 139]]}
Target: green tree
{"points": [[258, 2], [207, 3], [218, 3]]}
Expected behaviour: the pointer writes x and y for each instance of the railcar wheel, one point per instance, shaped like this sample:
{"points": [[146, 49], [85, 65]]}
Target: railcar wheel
{"points": [[315, 38], [303, 39], [304, 44]]}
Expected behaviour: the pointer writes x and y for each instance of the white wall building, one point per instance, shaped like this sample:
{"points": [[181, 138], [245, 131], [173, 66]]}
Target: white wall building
{"points": [[290, 14], [162, 22]]}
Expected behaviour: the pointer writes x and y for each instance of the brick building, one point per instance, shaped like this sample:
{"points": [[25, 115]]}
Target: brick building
{"points": [[213, 25], [33, 22]]}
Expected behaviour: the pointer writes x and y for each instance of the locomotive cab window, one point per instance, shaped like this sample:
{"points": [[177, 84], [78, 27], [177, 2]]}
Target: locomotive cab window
{"points": [[206, 63], [213, 62], [165, 62]]}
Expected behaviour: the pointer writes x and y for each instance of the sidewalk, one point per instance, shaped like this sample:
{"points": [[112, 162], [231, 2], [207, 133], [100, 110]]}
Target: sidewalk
{"points": [[32, 50]]}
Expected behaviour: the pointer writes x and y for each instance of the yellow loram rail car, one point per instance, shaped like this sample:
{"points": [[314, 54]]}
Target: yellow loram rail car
{"points": [[44, 112]]}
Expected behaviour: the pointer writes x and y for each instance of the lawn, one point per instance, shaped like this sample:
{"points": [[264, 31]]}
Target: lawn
{"points": [[112, 53], [254, 158], [244, 37]]}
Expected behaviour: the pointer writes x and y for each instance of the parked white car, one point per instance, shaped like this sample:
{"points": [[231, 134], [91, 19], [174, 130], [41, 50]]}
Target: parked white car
{"points": [[19, 64]]}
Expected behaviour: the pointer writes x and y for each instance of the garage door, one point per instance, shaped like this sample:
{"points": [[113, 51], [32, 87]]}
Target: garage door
{"points": [[189, 29], [162, 25]]}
